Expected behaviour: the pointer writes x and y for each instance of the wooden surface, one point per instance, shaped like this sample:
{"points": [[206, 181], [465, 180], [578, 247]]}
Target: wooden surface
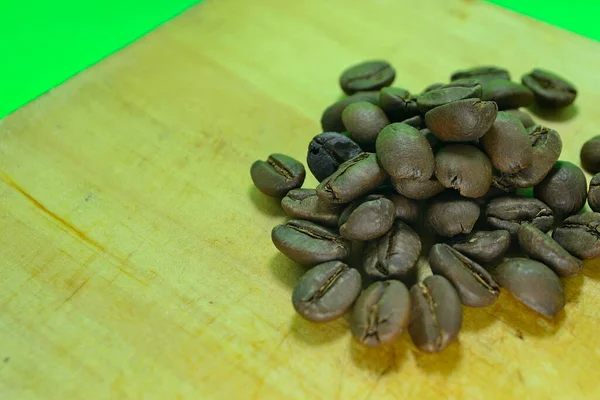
{"points": [[136, 259]]}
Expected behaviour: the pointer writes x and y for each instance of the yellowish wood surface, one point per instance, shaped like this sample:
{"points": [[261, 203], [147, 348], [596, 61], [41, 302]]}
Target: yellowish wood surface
{"points": [[136, 259]]}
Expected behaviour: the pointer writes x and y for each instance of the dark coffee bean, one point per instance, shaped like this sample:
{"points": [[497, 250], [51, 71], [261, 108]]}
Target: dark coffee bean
{"points": [[398, 104], [451, 215], [590, 155], [539, 246], [525, 118], [405, 153], [434, 86], [305, 204], [475, 286], [580, 235], [407, 210], [533, 284], [438, 97], [593, 196], [331, 120], [353, 179], [368, 75], [486, 72], [564, 189], [416, 121], [550, 90], [381, 313], [507, 94], [436, 314], [484, 246], [418, 190], [308, 243], [461, 121], [327, 151], [509, 212], [393, 255], [364, 121], [367, 218], [326, 291], [434, 142], [507, 144], [465, 168], [278, 175]]}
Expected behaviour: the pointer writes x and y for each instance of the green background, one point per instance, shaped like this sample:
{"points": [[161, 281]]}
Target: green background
{"points": [[44, 43]]}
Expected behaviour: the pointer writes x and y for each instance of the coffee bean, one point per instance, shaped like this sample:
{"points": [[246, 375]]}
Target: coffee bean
{"points": [[327, 151], [364, 121], [590, 155], [326, 291], [367, 218], [507, 144], [580, 235], [434, 86], [507, 94], [509, 212], [593, 196], [305, 204], [436, 314], [465, 168], [525, 118], [550, 90], [407, 210], [466, 82], [381, 313], [404, 153], [398, 104], [450, 215], [475, 286], [331, 120], [353, 179], [438, 97], [308, 243], [539, 246], [415, 122], [434, 142], [393, 255], [564, 189], [462, 120], [369, 75], [484, 246], [486, 72], [278, 175], [418, 190], [533, 284]]}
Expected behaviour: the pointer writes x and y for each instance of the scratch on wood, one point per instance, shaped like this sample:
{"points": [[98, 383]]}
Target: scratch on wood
{"points": [[74, 292]]}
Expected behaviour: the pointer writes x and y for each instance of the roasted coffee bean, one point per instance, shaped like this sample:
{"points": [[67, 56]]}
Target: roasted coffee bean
{"points": [[484, 246], [539, 246], [593, 196], [331, 120], [466, 82], [590, 155], [327, 151], [462, 120], [418, 190], [434, 142], [326, 291], [465, 168], [434, 86], [507, 144], [364, 121], [475, 286], [394, 255], [509, 212], [407, 209], [308, 243], [580, 235], [369, 75], [404, 153], [438, 97], [398, 103], [525, 118], [353, 179], [367, 218], [507, 94], [381, 313], [550, 90], [451, 215], [564, 189], [415, 122], [305, 204], [436, 314], [486, 72], [533, 284], [278, 175]]}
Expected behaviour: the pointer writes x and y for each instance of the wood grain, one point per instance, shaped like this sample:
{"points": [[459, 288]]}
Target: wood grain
{"points": [[136, 255]]}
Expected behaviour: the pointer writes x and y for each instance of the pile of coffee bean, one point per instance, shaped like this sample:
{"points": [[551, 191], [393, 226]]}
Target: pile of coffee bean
{"points": [[451, 192]]}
